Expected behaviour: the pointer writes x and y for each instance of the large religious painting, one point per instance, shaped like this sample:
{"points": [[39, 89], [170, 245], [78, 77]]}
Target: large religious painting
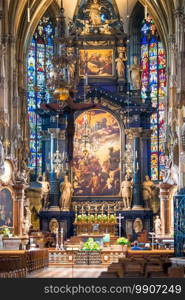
{"points": [[96, 62], [6, 208], [97, 150]]}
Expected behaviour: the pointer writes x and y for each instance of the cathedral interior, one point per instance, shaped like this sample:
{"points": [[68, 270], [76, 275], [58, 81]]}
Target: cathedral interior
{"points": [[92, 137]]}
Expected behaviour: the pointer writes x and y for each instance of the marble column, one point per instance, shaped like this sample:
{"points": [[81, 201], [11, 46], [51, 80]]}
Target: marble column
{"points": [[165, 208], [137, 202], [19, 188]]}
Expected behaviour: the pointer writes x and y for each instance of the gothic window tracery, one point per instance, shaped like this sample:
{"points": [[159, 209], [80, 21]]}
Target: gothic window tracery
{"points": [[39, 66], [153, 62]]}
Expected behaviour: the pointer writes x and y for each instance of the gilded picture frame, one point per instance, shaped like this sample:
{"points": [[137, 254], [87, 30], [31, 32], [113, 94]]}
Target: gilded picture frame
{"points": [[96, 63]]}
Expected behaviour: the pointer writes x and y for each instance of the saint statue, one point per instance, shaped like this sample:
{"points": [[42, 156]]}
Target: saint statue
{"points": [[135, 74], [44, 191], [27, 221], [2, 158], [94, 12], [148, 186], [66, 194], [120, 66], [126, 192], [157, 226]]}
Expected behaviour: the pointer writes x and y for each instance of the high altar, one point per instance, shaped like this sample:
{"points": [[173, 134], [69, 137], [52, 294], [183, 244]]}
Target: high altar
{"points": [[99, 138]]}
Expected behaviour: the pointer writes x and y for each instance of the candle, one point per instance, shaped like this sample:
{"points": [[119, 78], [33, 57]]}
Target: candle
{"points": [[28, 10], [86, 79], [146, 11]]}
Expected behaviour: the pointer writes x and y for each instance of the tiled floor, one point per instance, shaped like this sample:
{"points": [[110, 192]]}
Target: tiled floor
{"points": [[53, 272]]}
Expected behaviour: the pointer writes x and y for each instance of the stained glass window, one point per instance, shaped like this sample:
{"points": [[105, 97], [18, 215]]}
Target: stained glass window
{"points": [[153, 63], [39, 66]]}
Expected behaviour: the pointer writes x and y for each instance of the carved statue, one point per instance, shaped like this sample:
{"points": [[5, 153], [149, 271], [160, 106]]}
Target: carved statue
{"points": [[27, 221], [157, 226], [44, 191], [2, 158], [106, 29], [86, 28], [66, 194], [120, 67], [135, 74], [148, 186], [126, 192], [94, 12], [72, 69]]}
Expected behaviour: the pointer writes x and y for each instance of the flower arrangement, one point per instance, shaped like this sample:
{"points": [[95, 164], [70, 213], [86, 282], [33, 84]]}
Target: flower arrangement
{"points": [[105, 218], [112, 219], [5, 231], [122, 241], [90, 245]]}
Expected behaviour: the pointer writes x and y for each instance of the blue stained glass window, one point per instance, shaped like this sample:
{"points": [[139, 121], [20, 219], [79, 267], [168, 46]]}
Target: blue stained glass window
{"points": [[39, 64], [153, 63]]}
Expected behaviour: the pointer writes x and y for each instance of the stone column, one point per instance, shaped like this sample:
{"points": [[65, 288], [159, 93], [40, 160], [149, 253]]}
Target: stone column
{"points": [[19, 189], [165, 208], [137, 202]]}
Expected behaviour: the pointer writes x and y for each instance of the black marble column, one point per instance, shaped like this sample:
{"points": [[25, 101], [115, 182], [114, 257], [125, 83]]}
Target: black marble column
{"points": [[137, 202]]}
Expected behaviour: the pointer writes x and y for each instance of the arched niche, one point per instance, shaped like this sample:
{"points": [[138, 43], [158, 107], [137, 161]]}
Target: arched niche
{"points": [[98, 152], [6, 207]]}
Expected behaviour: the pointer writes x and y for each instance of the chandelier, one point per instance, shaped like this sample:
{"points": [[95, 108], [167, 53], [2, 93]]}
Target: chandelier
{"points": [[62, 76]]}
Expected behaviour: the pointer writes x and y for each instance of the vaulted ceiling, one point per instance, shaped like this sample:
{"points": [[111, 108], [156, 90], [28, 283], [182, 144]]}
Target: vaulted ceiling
{"points": [[161, 10]]}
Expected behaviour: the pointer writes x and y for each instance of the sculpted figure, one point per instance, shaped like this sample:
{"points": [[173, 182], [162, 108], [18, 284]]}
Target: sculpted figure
{"points": [[2, 158], [27, 221], [157, 226], [135, 74], [44, 191], [94, 12], [66, 194], [120, 67], [148, 186], [86, 28], [126, 192]]}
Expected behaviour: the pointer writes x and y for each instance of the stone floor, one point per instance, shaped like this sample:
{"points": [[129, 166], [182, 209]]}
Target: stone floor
{"points": [[53, 272]]}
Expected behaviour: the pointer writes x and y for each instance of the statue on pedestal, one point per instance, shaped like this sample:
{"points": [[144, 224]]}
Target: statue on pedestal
{"points": [[66, 194], [120, 67], [135, 74], [2, 158], [27, 221], [45, 189], [94, 12], [126, 192], [148, 186], [157, 226]]}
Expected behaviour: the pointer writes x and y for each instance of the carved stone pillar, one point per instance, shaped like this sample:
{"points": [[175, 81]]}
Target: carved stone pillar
{"points": [[19, 189], [165, 208]]}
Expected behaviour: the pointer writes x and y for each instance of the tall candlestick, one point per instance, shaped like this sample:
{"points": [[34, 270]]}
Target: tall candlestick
{"points": [[146, 11], [28, 11]]}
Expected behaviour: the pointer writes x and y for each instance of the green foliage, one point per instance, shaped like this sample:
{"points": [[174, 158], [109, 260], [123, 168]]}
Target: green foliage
{"points": [[90, 245], [122, 241], [112, 219], [5, 231]]}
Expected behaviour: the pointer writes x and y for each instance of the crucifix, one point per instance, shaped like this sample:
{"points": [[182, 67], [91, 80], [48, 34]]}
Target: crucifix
{"points": [[119, 225]]}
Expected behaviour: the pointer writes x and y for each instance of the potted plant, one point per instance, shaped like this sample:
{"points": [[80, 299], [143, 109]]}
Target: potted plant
{"points": [[90, 245], [123, 242], [112, 219], [79, 218], [5, 231]]}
